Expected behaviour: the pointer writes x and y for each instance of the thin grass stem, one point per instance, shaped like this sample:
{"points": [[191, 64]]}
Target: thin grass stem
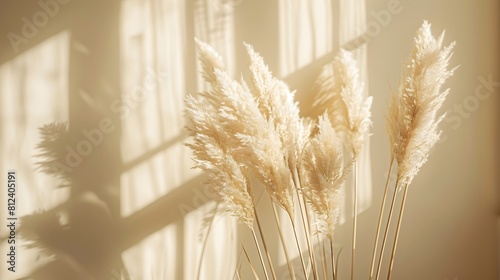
{"points": [[250, 261], [325, 272], [332, 254], [306, 229], [355, 218], [205, 241], [337, 258], [391, 210], [379, 224], [298, 247], [237, 273], [282, 238], [308, 236], [396, 236], [265, 245], [260, 254]]}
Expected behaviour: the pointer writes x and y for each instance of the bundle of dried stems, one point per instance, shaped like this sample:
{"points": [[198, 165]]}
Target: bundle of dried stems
{"points": [[241, 131]]}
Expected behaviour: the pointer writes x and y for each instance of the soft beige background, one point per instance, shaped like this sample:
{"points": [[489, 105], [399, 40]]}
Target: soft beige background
{"points": [[90, 57]]}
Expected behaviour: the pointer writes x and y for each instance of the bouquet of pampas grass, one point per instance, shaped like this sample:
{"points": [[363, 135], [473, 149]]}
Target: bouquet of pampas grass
{"points": [[245, 129]]}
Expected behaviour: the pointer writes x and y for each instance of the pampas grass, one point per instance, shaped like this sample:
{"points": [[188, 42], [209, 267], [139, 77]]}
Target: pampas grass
{"points": [[242, 130], [412, 123], [323, 168], [276, 102], [226, 175], [340, 92]]}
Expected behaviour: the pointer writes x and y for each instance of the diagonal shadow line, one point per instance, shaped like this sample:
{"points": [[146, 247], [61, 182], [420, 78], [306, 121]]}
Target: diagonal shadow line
{"points": [[126, 167], [13, 11], [357, 42], [311, 71], [169, 208], [180, 192], [153, 152], [171, 202]]}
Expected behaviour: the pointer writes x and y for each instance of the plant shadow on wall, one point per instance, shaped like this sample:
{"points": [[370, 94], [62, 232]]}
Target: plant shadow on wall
{"points": [[300, 162], [251, 130], [79, 236]]}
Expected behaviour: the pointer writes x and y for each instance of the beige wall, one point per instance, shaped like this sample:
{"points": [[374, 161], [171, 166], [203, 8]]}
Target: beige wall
{"points": [[449, 231]]}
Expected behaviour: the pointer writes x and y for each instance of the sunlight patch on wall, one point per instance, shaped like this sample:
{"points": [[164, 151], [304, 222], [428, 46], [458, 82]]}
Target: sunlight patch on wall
{"points": [[152, 83], [214, 24], [33, 92], [215, 234], [156, 257], [152, 77], [305, 31], [353, 25], [155, 59]]}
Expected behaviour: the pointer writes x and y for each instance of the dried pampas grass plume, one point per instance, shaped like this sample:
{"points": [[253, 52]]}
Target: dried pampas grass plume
{"points": [[212, 148], [322, 165], [412, 121], [229, 116], [259, 143], [211, 155], [276, 102], [210, 60], [244, 142], [340, 91]]}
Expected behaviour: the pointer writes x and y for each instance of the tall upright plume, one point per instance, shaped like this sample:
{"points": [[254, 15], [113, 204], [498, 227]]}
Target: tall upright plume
{"points": [[340, 92], [412, 123]]}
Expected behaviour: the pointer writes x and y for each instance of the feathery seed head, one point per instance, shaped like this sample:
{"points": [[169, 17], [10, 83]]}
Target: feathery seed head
{"points": [[231, 127], [340, 90], [322, 165], [210, 60], [259, 146], [213, 154], [412, 122], [276, 103]]}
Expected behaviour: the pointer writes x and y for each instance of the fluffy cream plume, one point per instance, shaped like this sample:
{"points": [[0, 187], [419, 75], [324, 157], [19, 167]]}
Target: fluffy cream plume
{"points": [[412, 121], [212, 148], [211, 155], [276, 102], [259, 143], [322, 165], [340, 91], [231, 117], [210, 60]]}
